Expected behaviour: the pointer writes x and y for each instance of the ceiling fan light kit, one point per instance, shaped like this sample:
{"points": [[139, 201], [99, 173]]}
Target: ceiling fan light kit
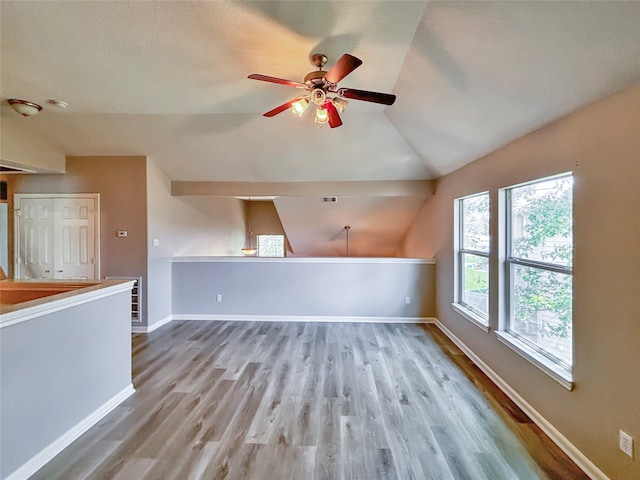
{"points": [[319, 85], [318, 96], [300, 106], [340, 104], [321, 115]]}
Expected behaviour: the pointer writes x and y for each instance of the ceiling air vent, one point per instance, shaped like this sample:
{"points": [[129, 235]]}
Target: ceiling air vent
{"points": [[329, 199]]}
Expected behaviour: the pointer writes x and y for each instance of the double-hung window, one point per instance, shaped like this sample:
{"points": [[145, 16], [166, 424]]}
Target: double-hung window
{"points": [[472, 258], [538, 259]]}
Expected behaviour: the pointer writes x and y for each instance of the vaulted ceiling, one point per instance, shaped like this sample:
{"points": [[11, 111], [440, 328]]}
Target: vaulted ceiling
{"points": [[169, 80]]}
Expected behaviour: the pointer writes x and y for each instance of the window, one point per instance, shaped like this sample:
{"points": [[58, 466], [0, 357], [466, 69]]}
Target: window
{"points": [[271, 245], [538, 272], [472, 258]]}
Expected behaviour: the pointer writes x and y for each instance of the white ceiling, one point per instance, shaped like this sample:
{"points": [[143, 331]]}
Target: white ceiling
{"points": [[168, 80]]}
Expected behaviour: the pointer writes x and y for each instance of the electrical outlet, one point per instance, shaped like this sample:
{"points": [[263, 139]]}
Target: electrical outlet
{"points": [[407, 300], [626, 443], [219, 297]]}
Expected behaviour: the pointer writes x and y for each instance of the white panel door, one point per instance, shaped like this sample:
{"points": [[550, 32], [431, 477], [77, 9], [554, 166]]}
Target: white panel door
{"points": [[74, 239], [34, 221], [57, 236]]}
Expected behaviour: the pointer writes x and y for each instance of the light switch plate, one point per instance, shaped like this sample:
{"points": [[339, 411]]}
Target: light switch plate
{"points": [[626, 443]]}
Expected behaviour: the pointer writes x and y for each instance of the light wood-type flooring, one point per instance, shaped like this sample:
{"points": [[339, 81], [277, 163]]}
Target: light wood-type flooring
{"points": [[280, 401]]}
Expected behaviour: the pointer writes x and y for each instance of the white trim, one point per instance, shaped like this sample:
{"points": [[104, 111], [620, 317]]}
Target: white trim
{"points": [[477, 320], [154, 326], [57, 195], [40, 459], [428, 261], [552, 432], [302, 318], [21, 312], [559, 374]]}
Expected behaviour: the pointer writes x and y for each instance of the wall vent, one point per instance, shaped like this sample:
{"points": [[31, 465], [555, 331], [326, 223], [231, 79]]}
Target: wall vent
{"points": [[329, 199]]}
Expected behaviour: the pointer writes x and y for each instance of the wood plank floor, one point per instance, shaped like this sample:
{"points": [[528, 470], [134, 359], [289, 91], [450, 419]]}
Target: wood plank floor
{"points": [[252, 400]]}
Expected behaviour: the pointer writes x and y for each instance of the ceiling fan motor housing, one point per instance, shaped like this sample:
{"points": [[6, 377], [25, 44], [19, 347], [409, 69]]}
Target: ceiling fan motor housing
{"points": [[314, 78]]}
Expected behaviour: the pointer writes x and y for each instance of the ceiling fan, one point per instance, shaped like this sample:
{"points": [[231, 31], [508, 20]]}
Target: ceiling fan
{"points": [[318, 88]]}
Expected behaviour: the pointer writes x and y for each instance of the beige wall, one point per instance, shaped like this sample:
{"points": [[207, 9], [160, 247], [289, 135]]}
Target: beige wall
{"points": [[207, 226], [263, 219], [601, 145], [135, 196], [158, 257], [184, 226], [121, 183], [193, 226]]}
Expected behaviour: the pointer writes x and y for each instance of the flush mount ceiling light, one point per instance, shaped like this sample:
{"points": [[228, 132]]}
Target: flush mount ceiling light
{"points": [[58, 103], [23, 107], [319, 85]]}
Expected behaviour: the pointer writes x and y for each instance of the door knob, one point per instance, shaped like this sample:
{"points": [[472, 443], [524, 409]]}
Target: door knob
{"points": [[59, 271]]}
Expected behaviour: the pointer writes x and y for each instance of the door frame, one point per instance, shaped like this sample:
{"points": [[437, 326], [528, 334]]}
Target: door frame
{"points": [[16, 224]]}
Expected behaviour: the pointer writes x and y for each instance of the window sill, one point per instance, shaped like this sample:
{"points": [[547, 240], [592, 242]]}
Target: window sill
{"points": [[477, 320], [555, 371]]}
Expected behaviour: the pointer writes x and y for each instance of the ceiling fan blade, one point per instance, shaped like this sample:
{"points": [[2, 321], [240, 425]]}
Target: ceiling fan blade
{"points": [[365, 96], [281, 81], [332, 113], [343, 67], [281, 108]]}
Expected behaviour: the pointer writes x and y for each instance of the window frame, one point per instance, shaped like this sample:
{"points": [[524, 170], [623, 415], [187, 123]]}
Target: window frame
{"points": [[468, 311], [554, 366], [284, 246]]}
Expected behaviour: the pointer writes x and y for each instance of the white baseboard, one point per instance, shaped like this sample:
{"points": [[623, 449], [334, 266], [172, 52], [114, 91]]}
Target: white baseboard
{"points": [[40, 459], [302, 318], [280, 318], [552, 432], [153, 326]]}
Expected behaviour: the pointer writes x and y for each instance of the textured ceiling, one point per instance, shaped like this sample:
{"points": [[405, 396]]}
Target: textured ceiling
{"points": [[480, 74], [168, 80]]}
